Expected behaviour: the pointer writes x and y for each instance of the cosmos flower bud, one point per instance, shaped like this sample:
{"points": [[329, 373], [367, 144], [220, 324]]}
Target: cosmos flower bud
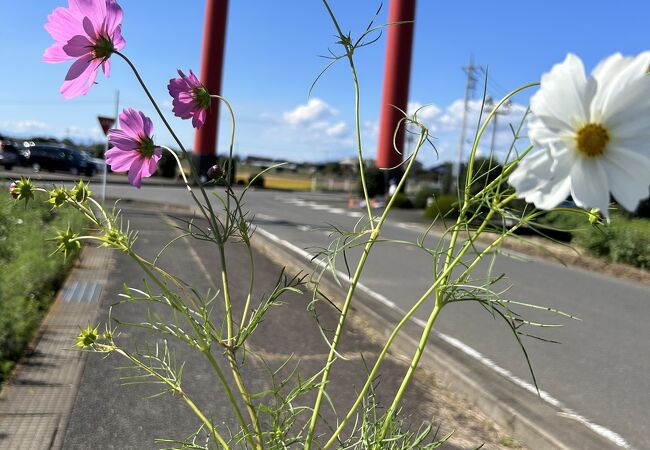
{"points": [[87, 337], [214, 172], [80, 192], [22, 189]]}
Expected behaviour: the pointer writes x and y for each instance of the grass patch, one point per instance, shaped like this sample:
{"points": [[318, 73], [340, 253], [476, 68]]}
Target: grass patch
{"points": [[29, 277]]}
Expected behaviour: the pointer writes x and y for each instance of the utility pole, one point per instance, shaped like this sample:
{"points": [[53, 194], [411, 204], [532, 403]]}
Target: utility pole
{"points": [[504, 110], [470, 86]]}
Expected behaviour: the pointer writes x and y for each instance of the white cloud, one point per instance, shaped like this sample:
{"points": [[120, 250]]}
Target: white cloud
{"points": [[337, 130], [23, 126], [425, 113], [31, 128], [314, 111], [314, 131]]}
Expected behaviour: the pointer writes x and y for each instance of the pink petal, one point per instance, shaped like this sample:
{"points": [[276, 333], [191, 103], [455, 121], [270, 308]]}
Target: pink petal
{"points": [[79, 67], [148, 124], [199, 118], [113, 18], [151, 163], [63, 24], [106, 67], [132, 123], [82, 84], [135, 172], [182, 110], [90, 29], [56, 54], [120, 140], [194, 79], [95, 10], [148, 167], [186, 97], [118, 41], [176, 86], [121, 161], [78, 46]]}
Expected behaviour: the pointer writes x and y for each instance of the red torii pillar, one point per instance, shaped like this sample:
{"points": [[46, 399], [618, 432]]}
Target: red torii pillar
{"points": [[397, 73], [214, 43]]}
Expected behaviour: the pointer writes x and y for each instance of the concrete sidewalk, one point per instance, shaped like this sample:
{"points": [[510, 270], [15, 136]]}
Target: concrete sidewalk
{"points": [[36, 402], [60, 399]]}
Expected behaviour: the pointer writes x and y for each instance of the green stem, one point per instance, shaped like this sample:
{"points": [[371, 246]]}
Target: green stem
{"points": [[434, 315], [357, 101], [180, 166], [209, 215], [205, 348], [477, 139], [348, 299], [437, 283], [247, 398], [231, 355], [250, 285], [176, 389], [212, 219], [409, 374], [230, 395]]}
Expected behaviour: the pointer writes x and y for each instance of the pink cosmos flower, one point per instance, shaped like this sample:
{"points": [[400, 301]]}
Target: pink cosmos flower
{"points": [[132, 148], [88, 31], [191, 98]]}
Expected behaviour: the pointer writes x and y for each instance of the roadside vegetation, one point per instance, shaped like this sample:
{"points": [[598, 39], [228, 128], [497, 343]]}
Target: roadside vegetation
{"points": [[30, 275], [626, 240]]}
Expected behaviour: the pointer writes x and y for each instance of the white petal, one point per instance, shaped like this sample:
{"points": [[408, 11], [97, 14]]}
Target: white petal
{"points": [[565, 93], [531, 172], [628, 116], [614, 75], [542, 179], [629, 177], [543, 132], [552, 194], [589, 186]]}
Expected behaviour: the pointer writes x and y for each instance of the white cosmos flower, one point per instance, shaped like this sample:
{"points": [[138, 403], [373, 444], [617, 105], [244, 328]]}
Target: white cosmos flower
{"points": [[592, 135]]}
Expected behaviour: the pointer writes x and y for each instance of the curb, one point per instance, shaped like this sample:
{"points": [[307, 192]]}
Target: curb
{"points": [[540, 425]]}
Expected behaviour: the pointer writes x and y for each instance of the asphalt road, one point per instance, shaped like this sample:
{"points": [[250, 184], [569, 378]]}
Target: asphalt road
{"points": [[104, 412], [600, 369]]}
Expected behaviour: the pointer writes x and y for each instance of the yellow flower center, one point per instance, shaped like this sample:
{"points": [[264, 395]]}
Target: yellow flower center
{"points": [[592, 139]]}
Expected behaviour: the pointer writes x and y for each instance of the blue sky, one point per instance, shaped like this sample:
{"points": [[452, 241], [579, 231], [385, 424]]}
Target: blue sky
{"points": [[272, 53]]}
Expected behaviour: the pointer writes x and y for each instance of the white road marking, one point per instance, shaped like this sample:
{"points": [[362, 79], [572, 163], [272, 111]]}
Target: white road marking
{"points": [[566, 412], [265, 217]]}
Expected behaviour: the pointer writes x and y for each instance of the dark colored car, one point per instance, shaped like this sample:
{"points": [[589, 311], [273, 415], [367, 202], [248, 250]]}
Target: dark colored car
{"points": [[58, 158], [11, 154]]}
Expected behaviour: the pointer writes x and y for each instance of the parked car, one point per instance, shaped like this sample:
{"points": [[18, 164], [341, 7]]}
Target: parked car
{"points": [[11, 154], [53, 157]]}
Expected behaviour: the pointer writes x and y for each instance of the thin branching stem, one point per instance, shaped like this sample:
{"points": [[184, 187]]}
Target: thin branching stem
{"points": [[178, 391], [209, 214], [352, 288], [224, 382], [479, 134], [349, 50]]}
